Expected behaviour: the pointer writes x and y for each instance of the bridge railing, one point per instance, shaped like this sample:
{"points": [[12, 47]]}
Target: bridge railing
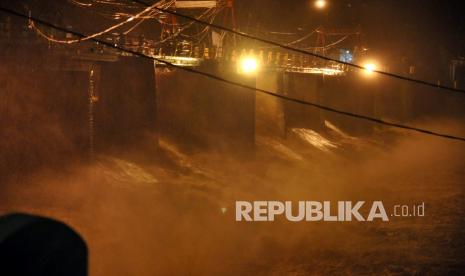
{"points": [[183, 52]]}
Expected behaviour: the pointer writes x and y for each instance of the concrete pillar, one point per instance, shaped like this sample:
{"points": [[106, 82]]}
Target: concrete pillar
{"points": [[126, 108], [269, 111], [200, 112]]}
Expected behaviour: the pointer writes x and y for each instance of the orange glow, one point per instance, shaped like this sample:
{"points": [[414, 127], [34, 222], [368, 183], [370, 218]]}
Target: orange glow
{"points": [[248, 65], [320, 4]]}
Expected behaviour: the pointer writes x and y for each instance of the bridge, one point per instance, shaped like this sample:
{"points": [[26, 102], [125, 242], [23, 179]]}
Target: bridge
{"points": [[179, 45], [122, 97]]}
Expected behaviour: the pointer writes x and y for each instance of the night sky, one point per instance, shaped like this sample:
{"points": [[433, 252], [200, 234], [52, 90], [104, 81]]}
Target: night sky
{"points": [[386, 24], [425, 34]]}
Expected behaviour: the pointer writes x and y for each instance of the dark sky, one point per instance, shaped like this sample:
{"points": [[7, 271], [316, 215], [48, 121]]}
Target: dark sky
{"points": [[426, 33], [384, 22], [397, 26]]}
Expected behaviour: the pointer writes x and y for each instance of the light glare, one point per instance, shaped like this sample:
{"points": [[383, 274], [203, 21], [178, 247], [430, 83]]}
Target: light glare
{"points": [[369, 68], [320, 4], [249, 65]]}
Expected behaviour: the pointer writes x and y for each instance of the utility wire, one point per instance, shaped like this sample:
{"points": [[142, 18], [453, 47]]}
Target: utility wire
{"points": [[302, 38], [263, 91], [423, 82], [71, 41], [209, 12]]}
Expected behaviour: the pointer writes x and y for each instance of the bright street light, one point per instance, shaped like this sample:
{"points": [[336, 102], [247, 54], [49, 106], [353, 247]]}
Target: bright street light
{"points": [[369, 68], [248, 65], [320, 4]]}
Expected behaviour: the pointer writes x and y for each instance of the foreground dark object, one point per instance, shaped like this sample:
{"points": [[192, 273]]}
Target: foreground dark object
{"points": [[38, 246]]}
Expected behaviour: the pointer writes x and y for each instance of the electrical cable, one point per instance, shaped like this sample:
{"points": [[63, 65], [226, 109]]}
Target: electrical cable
{"points": [[302, 38], [328, 46], [71, 41], [263, 91], [423, 82]]}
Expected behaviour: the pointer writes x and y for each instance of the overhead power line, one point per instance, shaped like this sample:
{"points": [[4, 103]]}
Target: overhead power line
{"points": [[287, 47], [302, 38], [89, 37], [263, 91], [143, 15]]}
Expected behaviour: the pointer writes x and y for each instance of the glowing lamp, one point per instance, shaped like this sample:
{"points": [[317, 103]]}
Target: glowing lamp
{"points": [[369, 67], [248, 65], [320, 4]]}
